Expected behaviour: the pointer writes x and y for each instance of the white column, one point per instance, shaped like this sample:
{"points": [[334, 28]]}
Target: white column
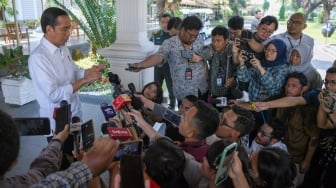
{"points": [[132, 44]]}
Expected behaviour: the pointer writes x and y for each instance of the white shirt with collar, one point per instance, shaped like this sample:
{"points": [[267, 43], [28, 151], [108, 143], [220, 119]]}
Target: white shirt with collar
{"points": [[53, 72], [256, 147]]}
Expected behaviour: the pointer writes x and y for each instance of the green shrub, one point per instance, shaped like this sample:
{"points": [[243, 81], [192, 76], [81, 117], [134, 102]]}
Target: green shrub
{"points": [[99, 85]]}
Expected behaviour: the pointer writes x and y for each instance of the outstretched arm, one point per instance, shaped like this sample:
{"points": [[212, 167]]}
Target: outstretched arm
{"points": [[280, 103], [149, 61], [148, 129]]}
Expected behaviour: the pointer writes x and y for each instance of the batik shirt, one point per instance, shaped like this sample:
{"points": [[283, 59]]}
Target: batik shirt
{"points": [[77, 175], [263, 86], [188, 78]]}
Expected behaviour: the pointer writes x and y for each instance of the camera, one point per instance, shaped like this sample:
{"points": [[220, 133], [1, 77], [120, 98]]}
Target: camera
{"points": [[249, 55], [329, 98], [133, 69], [246, 34], [186, 54]]}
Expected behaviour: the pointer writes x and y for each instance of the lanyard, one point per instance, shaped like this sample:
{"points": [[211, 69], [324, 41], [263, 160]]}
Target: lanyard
{"points": [[290, 41]]}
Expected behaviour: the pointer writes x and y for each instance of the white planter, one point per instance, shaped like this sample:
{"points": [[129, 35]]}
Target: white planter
{"points": [[17, 91]]}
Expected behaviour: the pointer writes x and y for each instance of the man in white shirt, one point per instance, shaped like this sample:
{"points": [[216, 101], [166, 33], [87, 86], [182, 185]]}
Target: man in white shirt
{"points": [[54, 75], [269, 134]]}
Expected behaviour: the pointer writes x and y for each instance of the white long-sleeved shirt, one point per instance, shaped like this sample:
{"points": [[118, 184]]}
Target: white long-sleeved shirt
{"points": [[53, 71]]}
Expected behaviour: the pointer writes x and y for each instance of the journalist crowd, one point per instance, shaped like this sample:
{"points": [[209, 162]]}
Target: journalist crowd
{"points": [[247, 110]]}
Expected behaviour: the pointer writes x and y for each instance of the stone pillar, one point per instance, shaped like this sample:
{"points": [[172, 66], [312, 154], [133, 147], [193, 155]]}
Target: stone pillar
{"points": [[132, 44]]}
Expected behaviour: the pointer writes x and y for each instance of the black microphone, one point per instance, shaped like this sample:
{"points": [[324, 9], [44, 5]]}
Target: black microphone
{"points": [[131, 87], [105, 125], [115, 82], [74, 122], [136, 101], [114, 78], [75, 119]]}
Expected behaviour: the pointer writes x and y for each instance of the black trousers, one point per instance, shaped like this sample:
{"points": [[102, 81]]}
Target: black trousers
{"points": [[163, 73]]}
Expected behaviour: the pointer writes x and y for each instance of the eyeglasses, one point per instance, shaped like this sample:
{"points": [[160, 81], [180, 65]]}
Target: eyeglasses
{"points": [[331, 82], [223, 122], [295, 22], [265, 31], [270, 50]]}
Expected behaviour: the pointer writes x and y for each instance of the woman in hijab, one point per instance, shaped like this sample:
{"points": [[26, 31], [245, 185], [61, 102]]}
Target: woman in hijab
{"points": [[300, 61], [266, 77]]}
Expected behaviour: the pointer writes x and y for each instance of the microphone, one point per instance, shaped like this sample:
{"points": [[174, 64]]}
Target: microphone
{"points": [[131, 87], [121, 102], [136, 101], [114, 79], [76, 128], [108, 111], [115, 82], [119, 133], [105, 125]]}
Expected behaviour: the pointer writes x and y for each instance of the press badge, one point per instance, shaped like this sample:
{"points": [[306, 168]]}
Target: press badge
{"points": [[219, 82], [188, 74]]}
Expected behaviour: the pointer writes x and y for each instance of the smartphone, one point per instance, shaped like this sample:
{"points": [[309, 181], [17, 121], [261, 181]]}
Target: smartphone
{"points": [[246, 34], [128, 147], [133, 69], [31, 126], [225, 163], [87, 134], [62, 116], [172, 117], [131, 171]]}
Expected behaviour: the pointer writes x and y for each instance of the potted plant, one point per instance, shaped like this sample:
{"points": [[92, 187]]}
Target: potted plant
{"points": [[15, 62], [16, 86]]}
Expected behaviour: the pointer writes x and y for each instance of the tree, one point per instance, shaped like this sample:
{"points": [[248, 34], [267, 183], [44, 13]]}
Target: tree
{"points": [[266, 6], [168, 6], [97, 19], [3, 6], [236, 5], [5, 9], [310, 5]]}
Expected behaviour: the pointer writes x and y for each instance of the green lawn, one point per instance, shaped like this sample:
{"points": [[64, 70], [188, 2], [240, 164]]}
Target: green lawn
{"points": [[314, 30]]}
